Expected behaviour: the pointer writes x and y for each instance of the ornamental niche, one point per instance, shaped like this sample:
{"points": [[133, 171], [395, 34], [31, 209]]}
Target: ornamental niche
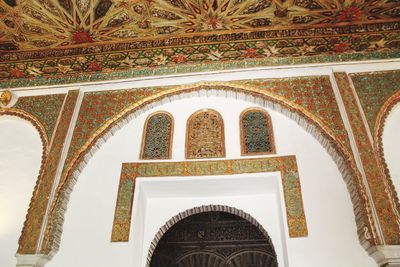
{"points": [[256, 135], [157, 136], [205, 135]]}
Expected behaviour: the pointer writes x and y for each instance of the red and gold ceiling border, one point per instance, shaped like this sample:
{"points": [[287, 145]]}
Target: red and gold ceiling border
{"points": [[199, 53]]}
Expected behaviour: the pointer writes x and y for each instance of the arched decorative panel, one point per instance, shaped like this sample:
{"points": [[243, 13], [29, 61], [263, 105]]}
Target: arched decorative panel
{"points": [[205, 136], [256, 134], [157, 136]]}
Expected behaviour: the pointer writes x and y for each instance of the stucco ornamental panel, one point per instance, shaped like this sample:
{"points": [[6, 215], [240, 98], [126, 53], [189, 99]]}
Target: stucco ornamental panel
{"points": [[256, 135], [286, 165], [157, 136], [205, 136]]}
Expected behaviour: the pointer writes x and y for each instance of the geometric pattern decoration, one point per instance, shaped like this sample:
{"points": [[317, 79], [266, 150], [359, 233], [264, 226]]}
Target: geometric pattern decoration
{"points": [[373, 90], [286, 165], [381, 190], [157, 136], [205, 136], [43, 24], [56, 41], [256, 135], [40, 200]]}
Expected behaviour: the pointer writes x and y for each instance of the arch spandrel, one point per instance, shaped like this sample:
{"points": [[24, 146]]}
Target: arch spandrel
{"points": [[322, 129]]}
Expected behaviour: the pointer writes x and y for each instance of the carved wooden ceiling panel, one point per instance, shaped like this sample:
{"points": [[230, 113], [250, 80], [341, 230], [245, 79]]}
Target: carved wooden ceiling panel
{"points": [[35, 24]]}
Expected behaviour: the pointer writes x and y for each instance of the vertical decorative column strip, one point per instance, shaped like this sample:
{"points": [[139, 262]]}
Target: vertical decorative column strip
{"points": [[28, 242], [385, 210]]}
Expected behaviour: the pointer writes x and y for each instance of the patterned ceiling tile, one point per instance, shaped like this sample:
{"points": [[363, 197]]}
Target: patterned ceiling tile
{"points": [[35, 24]]}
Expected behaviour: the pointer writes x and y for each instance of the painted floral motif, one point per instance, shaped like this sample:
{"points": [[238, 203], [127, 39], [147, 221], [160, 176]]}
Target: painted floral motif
{"points": [[256, 132], [205, 135], [350, 14], [157, 136]]}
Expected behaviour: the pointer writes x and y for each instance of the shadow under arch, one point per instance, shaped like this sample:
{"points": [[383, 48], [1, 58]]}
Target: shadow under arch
{"points": [[201, 209], [380, 122], [336, 148]]}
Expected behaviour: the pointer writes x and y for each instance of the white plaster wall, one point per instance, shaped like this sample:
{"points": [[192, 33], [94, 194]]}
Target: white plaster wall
{"points": [[391, 145], [332, 239], [20, 157]]}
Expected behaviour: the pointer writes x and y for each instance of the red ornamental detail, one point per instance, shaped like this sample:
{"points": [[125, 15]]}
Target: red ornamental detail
{"points": [[179, 58], [81, 37], [250, 53], [350, 14], [94, 66], [342, 47], [17, 73]]}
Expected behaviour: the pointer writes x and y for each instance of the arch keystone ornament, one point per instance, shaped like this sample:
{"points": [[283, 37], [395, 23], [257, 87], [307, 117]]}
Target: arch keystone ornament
{"points": [[286, 165]]}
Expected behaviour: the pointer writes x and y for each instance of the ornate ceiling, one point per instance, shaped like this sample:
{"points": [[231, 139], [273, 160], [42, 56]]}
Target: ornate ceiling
{"points": [[38, 29]]}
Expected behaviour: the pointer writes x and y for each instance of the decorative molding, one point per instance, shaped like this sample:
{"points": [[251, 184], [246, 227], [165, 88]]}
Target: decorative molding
{"points": [[157, 136], [46, 108], [286, 165], [378, 132], [197, 210], [386, 256], [32, 260], [5, 98], [385, 209], [205, 135], [265, 132], [28, 241]]}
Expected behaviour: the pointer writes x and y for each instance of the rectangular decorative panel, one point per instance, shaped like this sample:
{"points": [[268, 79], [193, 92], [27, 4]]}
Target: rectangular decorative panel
{"points": [[286, 165]]}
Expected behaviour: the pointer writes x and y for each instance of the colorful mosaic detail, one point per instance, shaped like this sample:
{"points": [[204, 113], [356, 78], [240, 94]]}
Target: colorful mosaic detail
{"points": [[373, 90], [381, 192], [39, 202], [286, 165], [157, 136], [314, 94], [45, 108], [99, 107], [256, 134], [205, 136], [194, 52]]}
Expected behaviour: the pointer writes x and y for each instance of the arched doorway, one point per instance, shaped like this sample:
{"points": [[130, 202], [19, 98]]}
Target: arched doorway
{"points": [[214, 239]]}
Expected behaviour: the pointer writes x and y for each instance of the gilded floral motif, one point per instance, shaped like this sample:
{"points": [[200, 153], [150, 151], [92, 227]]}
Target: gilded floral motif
{"points": [[205, 136]]}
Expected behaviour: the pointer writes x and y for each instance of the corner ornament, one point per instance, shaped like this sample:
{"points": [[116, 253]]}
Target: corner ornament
{"points": [[5, 98]]}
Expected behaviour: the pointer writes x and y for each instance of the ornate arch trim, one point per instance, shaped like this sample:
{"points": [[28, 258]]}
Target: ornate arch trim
{"points": [[378, 143], [314, 125], [197, 210], [268, 124], [218, 140], [169, 138]]}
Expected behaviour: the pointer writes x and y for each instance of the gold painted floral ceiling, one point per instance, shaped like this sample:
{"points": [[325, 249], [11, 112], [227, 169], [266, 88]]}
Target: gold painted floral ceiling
{"points": [[113, 39], [35, 24]]}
